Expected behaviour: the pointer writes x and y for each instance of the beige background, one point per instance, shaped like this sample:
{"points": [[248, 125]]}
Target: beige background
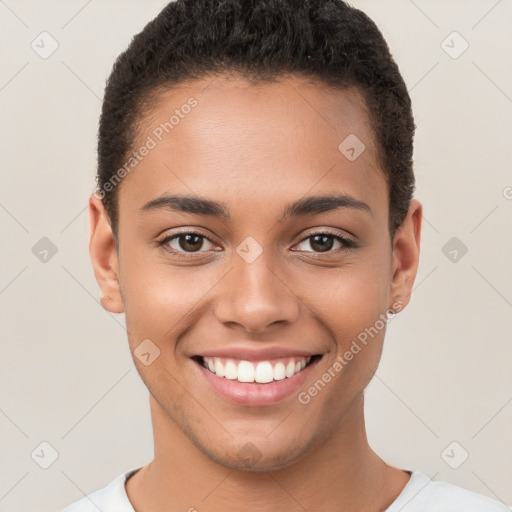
{"points": [[66, 375]]}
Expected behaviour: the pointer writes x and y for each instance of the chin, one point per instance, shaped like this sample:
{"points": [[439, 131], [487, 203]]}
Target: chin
{"points": [[253, 454], [251, 459]]}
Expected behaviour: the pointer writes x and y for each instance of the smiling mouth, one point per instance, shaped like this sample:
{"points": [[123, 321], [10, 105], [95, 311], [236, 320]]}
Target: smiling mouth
{"points": [[262, 372]]}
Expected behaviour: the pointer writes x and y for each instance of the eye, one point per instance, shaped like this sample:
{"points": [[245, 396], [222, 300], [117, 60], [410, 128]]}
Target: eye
{"points": [[186, 242], [190, 242], [324, 242]]}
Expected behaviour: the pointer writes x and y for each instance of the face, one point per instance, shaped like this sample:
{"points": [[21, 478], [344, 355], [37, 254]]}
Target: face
{"points": [[261, 276]]}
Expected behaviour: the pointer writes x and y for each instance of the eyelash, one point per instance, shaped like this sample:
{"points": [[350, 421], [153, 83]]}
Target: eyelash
{"points": [[349, 244]]}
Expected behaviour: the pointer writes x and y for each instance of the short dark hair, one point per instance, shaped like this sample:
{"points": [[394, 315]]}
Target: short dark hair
{"points": [[325, 40]]}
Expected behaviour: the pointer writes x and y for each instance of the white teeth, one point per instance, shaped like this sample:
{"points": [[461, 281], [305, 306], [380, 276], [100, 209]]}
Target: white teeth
{"points": [[245, 372], [230, 370], [279, 371], [264, 372], [261, 372], [219, 367], [290, 369]]}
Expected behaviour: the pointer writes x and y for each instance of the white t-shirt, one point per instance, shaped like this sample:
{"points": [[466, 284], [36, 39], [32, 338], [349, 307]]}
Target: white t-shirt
{"points": [[421, 494]]}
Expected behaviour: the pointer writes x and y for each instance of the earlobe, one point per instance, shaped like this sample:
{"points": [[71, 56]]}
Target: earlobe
{"points": [[406, 251], [103, 255]]}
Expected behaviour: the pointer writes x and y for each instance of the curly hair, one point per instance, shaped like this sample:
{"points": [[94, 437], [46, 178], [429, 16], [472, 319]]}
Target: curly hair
{"points": [[325, 40]]}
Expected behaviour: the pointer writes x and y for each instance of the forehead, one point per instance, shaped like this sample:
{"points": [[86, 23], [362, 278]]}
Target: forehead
{"points": [[226, 139]]}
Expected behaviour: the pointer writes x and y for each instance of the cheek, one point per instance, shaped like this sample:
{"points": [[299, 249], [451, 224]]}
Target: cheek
{"points": [[163, 299], [349, 299]]}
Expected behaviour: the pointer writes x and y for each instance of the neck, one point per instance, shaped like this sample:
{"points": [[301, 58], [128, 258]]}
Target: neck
{"points": [[340, 470]]}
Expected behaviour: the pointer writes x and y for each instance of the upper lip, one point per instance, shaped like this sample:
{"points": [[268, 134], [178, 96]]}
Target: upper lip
{"points": [[257, 354]]}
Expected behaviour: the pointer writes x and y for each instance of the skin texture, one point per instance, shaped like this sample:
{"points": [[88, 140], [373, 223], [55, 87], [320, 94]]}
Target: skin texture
{"points": [[257, 148]]}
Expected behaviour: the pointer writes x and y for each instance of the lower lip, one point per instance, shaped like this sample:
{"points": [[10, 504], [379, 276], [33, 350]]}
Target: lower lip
{"points": [[253, 394]]}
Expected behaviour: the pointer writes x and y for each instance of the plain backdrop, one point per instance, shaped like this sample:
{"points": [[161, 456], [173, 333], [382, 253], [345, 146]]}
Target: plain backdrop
{"points": [[441, 401]]}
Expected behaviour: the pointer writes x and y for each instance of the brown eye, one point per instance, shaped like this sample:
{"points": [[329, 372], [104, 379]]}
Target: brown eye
{"points": [[190, 243], [184, 243], [324, 242]]}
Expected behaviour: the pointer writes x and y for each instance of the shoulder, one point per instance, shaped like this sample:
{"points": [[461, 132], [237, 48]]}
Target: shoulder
{"points": [[111, 498], [421, 494]]}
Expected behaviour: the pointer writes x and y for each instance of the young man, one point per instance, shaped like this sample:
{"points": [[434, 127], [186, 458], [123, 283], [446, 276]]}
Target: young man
{"points": [[254, 217]]}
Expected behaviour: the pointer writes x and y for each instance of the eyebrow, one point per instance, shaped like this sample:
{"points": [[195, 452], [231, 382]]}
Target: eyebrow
{"points": [[312, 205]]}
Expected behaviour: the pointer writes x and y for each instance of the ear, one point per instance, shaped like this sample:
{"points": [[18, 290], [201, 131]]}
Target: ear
{"points": [[102, 250], [405, 257]]}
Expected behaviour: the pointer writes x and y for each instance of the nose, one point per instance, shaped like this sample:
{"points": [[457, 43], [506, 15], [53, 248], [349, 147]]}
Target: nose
{"points": [[255, 296]]}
